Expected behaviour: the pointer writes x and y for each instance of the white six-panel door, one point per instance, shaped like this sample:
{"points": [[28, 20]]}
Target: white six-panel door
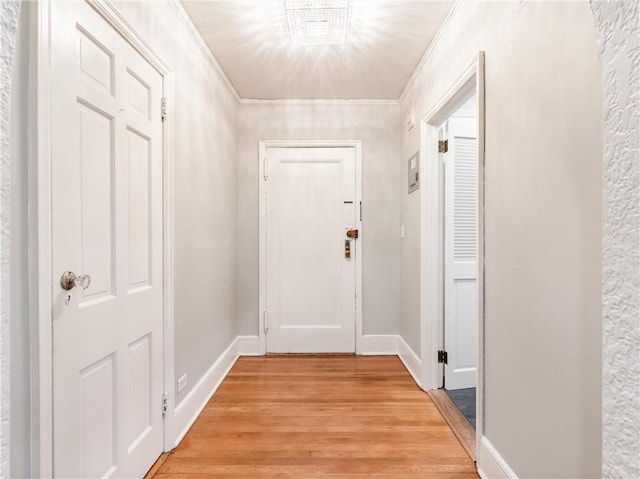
{"points": [[107, 223], [461, 297], [310, 284]]}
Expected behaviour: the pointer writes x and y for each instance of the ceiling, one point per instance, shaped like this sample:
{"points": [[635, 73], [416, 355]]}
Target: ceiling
{"points": [[252, 44]]}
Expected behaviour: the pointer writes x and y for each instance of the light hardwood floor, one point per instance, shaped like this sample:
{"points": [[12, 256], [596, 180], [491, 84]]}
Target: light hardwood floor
{"points": [[319, 416]]}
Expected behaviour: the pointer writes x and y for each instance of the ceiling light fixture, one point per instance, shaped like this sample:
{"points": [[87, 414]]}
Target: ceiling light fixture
{"points": [[317, 22]]}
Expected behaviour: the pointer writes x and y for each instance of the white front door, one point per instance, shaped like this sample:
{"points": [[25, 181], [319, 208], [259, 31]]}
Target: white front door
{"points": [[106, 135], [310, 278], [461, 295]]}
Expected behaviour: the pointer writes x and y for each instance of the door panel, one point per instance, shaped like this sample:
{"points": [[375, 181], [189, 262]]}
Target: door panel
{"points": [[310, 284], [461, 296], [106, 222]]}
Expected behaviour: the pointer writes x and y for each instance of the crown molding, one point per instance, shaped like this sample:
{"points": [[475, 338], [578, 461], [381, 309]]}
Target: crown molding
{"points": [[205, 48], [320, 101], [430, 49]]}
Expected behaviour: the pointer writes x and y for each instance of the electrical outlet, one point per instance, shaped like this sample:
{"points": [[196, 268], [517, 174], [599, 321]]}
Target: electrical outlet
{"points": [[182, 382]]}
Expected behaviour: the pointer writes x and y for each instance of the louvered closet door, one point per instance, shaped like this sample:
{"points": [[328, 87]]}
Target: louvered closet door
{"points": [[461, 232]]}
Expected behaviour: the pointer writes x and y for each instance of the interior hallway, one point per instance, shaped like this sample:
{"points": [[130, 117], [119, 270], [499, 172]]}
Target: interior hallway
{"points": [[319, 416]]}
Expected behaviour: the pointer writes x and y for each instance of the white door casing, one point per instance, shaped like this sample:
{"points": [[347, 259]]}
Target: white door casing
{"points": [[107, 222], [311, 202], [460, 246]]}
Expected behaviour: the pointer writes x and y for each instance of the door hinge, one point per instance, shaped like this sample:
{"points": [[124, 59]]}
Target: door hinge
{"points": [[443, 146], [443, 357], [164, 110], [265, 169], [265, 317], [165, 404]]}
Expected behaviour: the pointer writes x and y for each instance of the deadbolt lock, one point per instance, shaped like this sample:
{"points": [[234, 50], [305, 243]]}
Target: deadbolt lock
{"points": [[347, 248]]}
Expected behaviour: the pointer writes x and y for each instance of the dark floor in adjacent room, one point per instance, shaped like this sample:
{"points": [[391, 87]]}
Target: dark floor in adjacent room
{"points": [[465, 400]]}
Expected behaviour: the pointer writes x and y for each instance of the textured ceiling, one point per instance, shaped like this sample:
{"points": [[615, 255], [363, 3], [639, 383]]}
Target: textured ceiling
{"points": [[386, 40]]}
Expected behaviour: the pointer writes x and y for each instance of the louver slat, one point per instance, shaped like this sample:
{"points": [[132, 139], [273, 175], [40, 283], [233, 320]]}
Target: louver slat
{"points": [[464, 199]]}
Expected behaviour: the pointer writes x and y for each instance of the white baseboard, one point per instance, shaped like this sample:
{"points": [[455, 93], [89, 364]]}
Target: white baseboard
{"points": [[410, 360], [379, 345], [248, 345], [491, 465], [192, 405]]}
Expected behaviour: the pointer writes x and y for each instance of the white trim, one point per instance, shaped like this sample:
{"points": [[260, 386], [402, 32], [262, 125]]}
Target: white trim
{"points": [[427, 53], [432, 221], [40, 246], [40, 229], [319, 101], [110, 13], [204, 47], [432, 232], [379, 345], [248, 345], [490, 464], [410, 360], [168, 356], [262, 301], [189, 409]]}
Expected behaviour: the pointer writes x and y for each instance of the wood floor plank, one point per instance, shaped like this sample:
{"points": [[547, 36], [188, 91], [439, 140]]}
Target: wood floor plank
{"points": [[319, 417]]}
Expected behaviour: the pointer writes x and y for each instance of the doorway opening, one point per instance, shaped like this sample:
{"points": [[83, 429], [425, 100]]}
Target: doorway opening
{"points": [[458, 141], [452, 268]]}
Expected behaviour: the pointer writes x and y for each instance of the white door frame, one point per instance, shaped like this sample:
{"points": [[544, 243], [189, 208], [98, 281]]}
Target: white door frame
{"points": [[40, 274], [262, 228], [432, 231]]}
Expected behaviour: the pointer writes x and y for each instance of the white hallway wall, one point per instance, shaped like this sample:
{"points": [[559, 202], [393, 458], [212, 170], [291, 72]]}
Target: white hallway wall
{"points": [[543, 226], [376, 125]]}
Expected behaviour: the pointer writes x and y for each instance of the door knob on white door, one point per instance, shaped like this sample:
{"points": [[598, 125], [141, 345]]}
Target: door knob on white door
{"points": [[69, 280]]}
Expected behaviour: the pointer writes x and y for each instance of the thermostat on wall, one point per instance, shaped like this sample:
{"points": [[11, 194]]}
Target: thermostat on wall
{"points": [[414, 179]]}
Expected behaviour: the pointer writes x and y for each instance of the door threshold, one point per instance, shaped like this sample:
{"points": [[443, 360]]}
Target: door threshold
{"points": [[271, 355], [156, 466], [460, 425]]}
